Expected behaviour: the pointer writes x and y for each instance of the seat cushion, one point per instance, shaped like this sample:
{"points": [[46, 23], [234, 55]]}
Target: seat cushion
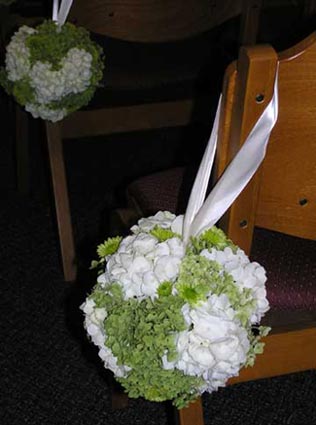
{"points": [[290, 263], [162, 191]]}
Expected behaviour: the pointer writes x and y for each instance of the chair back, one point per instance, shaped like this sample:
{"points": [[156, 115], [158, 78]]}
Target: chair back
{"points": [[282, 195], [152, 21]]}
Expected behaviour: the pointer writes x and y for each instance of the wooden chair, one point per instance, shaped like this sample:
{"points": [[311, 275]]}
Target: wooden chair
{"points": [[145, 23], [276, 214]]}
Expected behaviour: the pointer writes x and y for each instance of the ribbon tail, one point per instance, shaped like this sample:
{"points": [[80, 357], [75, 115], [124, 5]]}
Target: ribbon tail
{"points": [[55, 10], [64, 11], [198, 192], [240, 170]]}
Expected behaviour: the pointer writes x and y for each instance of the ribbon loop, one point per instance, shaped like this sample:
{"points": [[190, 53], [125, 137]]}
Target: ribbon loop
{"points": [[236, 176], [61, 13]]}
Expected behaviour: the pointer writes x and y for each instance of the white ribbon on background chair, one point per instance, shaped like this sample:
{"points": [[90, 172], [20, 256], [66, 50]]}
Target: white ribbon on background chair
{"points": [[200, 216], [60, 13]]}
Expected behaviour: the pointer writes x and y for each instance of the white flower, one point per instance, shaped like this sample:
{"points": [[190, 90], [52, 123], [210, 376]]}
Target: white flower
{"points": [[72, 77], [18, 54], [163, 219], [53, 115], [141, 263], [216, 346], [93, 323], [167, 268], [143, 243], [246, 274], [88, 306]]}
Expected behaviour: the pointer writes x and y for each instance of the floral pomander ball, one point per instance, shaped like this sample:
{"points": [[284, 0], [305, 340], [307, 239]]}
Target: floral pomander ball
{"points": [[170, 321], [52, 70]]}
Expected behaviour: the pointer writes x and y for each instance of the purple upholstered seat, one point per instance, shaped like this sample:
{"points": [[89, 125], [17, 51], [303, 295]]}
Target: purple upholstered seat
{"points": [[291, 269], [150, 195]]}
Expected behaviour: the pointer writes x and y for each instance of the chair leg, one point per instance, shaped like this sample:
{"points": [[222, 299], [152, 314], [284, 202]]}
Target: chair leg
{"points": [[22, 151], [191, 415], [56, 159], [119, 398]]}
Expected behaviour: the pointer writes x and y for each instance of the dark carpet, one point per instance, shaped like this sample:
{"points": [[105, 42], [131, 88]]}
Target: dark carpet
{"points": [[50, 373]]}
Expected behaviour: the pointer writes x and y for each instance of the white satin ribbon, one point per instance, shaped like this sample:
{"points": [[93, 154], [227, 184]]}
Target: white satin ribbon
{"points": [[61, 13], [200, 217], [198, 192]]}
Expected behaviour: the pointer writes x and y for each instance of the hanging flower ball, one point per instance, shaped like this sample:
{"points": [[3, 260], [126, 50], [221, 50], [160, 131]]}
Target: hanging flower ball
{"points": [[52, 70], [170, 321]]}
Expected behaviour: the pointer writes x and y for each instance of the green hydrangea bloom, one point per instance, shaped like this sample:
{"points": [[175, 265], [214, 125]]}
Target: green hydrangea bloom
{"points": [[139, 333]]}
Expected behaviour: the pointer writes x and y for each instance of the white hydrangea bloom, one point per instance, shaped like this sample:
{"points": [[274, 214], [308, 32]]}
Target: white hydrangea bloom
{"points": [[45, 113], [73, 76], [18, 54], [246, 274], [93, 323], [216, 346], [163, 219], [142, 263]]}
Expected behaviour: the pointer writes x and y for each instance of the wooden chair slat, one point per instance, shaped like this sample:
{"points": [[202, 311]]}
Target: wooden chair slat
{"points": [[152, 21], [137, 117]]}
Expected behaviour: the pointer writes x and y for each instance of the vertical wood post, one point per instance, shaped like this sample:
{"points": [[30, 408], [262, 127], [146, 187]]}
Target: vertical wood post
{"points": [[56, 159], [191, 415], [254, 90]]}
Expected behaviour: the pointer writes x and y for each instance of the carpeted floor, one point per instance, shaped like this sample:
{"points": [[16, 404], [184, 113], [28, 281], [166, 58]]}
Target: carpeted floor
{"points": [[50, 374]]}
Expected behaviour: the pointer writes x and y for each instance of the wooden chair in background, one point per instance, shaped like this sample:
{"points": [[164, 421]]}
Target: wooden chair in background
{"points": [[276, 214]]}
